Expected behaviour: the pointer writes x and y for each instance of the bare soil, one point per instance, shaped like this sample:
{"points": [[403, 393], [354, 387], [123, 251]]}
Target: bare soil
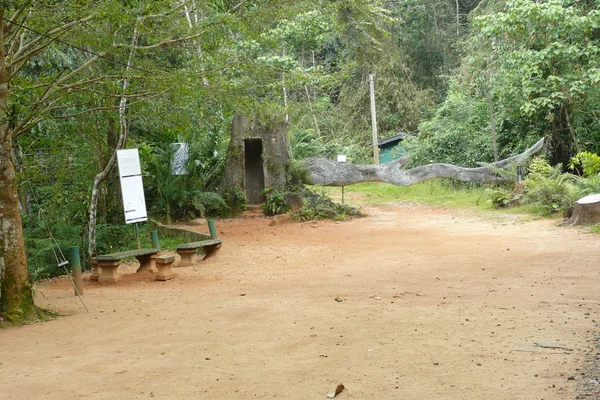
{"points": [[411, 302]]}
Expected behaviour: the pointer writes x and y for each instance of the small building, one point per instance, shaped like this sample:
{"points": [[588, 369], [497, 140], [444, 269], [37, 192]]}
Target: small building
{"points": [[257, 157], [389, 149]]}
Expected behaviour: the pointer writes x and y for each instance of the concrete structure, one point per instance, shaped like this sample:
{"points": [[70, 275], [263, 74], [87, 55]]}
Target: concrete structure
{"points": [[257, 157]]}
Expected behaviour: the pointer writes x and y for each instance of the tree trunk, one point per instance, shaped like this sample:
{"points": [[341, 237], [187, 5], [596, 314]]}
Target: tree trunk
{"points": [[102, 176], [16, 299], [16, 296], [492, 123], [585, 212], [327, 172]]}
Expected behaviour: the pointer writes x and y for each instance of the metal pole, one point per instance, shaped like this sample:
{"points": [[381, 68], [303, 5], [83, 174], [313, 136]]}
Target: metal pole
{"points": [[137, 235], [374, 120], [76, 265], [342, 195]]}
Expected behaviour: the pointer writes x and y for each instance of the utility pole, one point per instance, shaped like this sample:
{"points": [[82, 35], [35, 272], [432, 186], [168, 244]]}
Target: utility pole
{"points": [[374, 120]]}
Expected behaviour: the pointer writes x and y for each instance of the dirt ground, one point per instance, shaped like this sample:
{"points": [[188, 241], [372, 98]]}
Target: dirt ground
{"points": [[435, 304]]}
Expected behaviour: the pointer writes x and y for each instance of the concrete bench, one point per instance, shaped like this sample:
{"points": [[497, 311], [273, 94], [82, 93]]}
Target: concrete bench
{"points": [[186, 251], [108, 263], [163, 266]]}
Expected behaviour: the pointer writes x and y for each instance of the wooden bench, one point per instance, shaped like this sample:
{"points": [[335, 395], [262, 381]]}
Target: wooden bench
{"points": [[186, 251], [108, 263]]}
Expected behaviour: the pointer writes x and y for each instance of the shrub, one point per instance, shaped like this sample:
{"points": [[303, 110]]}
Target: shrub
{"points": [[275, 202], [585, 163], [318, 206], [550, 191]]}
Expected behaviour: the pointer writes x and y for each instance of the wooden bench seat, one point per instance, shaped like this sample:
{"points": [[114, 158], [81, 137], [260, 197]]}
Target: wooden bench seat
{"points": [[186, 251], [108, 263]]}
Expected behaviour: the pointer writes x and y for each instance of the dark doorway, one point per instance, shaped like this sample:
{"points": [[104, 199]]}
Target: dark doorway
{"points": [[255, 178]]}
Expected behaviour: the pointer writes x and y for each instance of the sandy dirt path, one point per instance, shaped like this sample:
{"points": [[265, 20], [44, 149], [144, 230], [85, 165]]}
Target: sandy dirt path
{"points": [[437, 304]]}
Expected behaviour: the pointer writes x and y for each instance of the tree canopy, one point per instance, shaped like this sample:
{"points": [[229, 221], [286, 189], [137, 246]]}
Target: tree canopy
{"points": [[466, 81]]}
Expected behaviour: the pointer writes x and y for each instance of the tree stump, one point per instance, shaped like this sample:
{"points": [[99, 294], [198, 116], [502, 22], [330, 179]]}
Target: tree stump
{"points": [[586, 211]]}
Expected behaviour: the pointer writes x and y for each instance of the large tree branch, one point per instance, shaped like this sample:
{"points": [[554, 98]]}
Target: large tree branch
{"points": [[26, 47], [106, 108], [87, 81], [163, 43], [327, 172], [12, 30]]}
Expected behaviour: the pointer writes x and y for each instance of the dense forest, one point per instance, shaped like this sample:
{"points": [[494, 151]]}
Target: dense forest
{"points": [[466, 81]]}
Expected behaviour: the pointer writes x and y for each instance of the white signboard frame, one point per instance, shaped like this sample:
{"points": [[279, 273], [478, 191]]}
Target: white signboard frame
{"points": [[132, 186]]}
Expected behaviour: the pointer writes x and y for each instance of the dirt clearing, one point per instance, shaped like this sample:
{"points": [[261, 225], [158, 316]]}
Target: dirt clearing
{"points": [[411, 302]]}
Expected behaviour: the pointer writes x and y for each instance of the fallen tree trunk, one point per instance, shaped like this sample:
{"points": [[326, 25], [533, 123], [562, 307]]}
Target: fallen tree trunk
{"points": [[327, 172]]}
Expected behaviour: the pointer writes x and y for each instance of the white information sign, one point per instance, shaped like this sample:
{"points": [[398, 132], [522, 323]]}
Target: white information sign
{"points": [[341, 158], [132, 186]]}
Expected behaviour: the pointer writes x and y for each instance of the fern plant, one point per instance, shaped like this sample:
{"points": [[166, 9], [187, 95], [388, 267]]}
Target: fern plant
{"points": [[551, 191]]}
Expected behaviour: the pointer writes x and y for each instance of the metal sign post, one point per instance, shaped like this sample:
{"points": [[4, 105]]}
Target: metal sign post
{"points": [[341, 158], [137, 235]]}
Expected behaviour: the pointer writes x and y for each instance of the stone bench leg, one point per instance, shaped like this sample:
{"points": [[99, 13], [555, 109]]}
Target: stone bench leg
{"points": [[187, 257], [163, 265], [95, 270], [147, 263], [108, 271], [211, 250]]}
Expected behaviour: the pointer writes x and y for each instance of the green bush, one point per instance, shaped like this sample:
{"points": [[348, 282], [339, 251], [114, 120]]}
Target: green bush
{"points": [[540, 166], [182, 196], [318, 206], [585, 164], [551, 191], [275, 202]]}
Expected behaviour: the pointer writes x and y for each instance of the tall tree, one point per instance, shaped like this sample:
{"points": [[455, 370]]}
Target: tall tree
{"points": [[30, 94]]}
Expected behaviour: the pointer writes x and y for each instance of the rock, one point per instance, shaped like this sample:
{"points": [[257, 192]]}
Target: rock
{"points": [[294, 201], [281, 219], [198, 222]]}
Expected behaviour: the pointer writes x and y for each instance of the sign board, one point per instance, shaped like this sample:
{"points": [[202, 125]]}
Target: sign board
{"points": [[180, 158], [132, 186], [341, 158]]}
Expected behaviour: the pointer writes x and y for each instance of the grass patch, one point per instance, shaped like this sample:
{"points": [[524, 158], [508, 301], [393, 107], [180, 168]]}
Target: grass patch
{"points": [[436, 192]]}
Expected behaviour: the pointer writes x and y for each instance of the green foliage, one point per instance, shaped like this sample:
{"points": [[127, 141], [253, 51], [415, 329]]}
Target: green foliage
{"points": [[552, 193], [453, 135], [236, 201], [182, 196], [437, 191], [317, 205], [304, 144], [539, 166], [500, 197], [585, 163], [275, 202], [296, 173], [41, 250]]}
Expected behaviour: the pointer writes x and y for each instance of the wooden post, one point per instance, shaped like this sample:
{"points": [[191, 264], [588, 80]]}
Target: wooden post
{"points": [[374, 120], [76, 265]]}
